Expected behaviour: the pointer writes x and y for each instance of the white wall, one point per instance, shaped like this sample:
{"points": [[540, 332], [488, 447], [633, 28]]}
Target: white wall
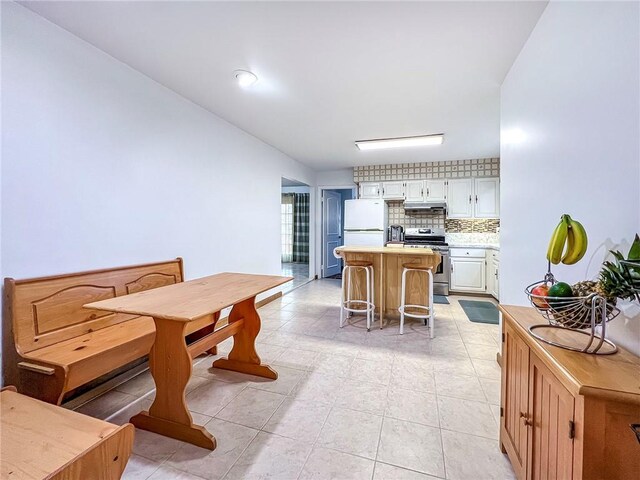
{"points": [[335, 178], [104, 167], [573, 96]]}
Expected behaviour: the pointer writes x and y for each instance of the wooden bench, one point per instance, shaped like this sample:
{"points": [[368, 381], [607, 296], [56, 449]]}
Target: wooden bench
{"points": [[52, 345], [42, 441]]}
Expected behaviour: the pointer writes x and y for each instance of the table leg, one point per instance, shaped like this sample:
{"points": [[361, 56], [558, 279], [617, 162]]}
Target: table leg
{"points": [[170, 365], [382, 290], [243, 356]]}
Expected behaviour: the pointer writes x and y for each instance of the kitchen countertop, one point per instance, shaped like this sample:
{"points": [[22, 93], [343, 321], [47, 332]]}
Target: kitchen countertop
{"points": [[488, 246], [387, 250]]}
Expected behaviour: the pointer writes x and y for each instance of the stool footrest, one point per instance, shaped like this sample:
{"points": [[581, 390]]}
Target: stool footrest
{"points": [[370, 307], [427, 311], [347, 303]]}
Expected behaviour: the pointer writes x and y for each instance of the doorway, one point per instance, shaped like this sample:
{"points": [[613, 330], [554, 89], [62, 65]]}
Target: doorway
{"points": [[333, 228], [295, 201]]}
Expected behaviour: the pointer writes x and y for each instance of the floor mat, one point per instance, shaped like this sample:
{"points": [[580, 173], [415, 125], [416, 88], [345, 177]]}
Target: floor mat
{"points": [[440, 299], [337, 276], [480, 312]]}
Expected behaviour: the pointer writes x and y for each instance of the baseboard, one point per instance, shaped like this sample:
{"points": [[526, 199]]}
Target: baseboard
{"points": [[118, 380], [269, 299]]}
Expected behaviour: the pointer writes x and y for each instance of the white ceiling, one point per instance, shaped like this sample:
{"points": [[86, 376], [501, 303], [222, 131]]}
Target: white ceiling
{"points": [[329, 73]]}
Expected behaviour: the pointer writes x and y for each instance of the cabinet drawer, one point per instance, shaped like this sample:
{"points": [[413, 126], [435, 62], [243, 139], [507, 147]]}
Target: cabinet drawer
{"points": [[467, 252]]}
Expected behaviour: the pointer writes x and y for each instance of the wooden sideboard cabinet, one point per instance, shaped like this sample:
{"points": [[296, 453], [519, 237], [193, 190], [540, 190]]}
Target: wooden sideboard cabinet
{"points": [[566, 415]]}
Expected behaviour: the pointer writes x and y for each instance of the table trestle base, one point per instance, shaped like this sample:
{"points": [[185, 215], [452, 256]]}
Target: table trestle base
{"points": [[194, 434]]}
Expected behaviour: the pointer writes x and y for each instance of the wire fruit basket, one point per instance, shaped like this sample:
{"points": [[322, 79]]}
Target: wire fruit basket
{"points": [[579, 317]]}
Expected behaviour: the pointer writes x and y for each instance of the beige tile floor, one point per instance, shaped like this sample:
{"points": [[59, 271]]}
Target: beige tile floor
{"points": [[347, 404]]}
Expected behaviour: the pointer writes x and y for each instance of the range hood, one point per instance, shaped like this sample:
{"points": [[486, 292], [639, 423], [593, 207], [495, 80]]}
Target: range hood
{"points": [[425, 206]]}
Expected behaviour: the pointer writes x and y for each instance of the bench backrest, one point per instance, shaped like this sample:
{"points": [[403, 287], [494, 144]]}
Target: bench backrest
{"points": [[47, 310]]}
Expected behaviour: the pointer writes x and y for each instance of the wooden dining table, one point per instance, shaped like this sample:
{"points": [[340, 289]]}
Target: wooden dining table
{"points": [[173, 307]]}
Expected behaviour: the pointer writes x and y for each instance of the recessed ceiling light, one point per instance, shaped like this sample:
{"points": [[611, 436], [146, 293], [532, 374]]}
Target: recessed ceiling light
{"points": [[400, 142], [245, 79]]}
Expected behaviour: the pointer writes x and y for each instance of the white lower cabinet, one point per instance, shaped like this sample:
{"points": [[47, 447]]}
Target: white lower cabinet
{"points": [[493, 275], [475, 270], [468, 274], [496, 279]]}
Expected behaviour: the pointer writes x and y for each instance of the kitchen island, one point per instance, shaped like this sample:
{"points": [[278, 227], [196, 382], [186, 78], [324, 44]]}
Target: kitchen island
{"points": [[387, 265]]}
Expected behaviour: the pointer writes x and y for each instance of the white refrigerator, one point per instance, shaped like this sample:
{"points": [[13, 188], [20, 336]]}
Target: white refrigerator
{"points": [[365, 223]]}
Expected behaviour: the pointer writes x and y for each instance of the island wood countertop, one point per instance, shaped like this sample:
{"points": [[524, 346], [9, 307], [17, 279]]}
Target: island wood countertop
{"points": [[386, 250]]}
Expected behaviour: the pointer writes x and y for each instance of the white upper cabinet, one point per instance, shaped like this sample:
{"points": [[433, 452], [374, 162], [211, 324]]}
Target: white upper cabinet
{"points": [[414, 191], [465, 197], [487, 198], [459, 198], [370, 190], [393, 190], [436, 190]]}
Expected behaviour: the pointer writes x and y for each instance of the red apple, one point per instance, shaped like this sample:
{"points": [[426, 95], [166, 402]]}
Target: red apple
{"points": [[540, 291]]}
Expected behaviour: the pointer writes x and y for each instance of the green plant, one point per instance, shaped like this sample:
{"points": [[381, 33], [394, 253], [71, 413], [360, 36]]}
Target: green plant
{"points": [[614, 279]]}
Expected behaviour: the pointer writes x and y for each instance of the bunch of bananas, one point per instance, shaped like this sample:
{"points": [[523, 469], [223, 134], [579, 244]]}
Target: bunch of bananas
{"points": [[569, 233]]}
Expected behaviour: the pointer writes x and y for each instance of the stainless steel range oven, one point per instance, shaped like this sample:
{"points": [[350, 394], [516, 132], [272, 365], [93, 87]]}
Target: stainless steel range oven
{"points": [[435, 240]]}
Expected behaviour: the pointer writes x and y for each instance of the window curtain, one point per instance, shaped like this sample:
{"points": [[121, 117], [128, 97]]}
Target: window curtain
{"points": [[287, 227], [301, 227]]}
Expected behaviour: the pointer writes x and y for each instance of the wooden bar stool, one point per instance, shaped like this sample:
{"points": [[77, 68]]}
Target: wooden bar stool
{"points": [[347, 303], [426, 311]]}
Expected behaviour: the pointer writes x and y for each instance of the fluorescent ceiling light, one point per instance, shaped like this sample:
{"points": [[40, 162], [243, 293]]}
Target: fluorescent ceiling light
{"points": [[401, 142], [245, 79]]}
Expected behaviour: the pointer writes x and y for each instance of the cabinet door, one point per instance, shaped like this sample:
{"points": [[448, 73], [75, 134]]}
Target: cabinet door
{"points": [[459, 196], [393, 190], [550, 438], [370, 190], [490, 269], [487, 198], [468, 274], [514, 433], [414, 191], [493, 266], [436, 190]]}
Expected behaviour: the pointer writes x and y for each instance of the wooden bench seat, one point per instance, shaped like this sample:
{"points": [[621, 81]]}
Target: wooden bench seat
{"points": [[52, 345], [87, 356], [41, 441]]}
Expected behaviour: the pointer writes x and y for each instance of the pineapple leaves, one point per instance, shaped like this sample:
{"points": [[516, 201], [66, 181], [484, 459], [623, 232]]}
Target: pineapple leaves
{"points": [[634, 252], [616, 280]]}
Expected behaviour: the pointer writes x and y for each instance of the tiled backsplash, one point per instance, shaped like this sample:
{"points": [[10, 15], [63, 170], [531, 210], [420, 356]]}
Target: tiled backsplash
{"points": [[426, 219], [471, 225], [479, 167]]}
